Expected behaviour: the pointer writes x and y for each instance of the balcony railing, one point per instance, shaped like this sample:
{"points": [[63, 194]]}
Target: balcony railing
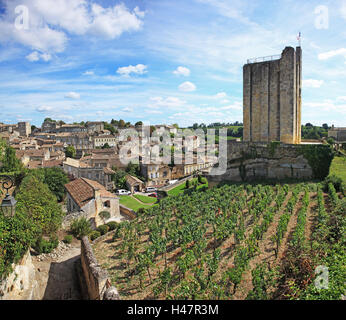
{"points": [[264, 59]]}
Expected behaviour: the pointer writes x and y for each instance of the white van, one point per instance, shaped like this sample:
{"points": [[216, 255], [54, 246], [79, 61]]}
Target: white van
{"points": [[150, 189]]}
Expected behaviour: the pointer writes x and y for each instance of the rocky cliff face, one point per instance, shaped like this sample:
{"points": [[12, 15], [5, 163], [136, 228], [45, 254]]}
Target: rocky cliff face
{"points": [[21, 283], [255, 161]]}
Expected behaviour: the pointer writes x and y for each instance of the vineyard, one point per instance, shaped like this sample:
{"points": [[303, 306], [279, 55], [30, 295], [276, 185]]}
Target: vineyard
{"points": [[231, 242]]}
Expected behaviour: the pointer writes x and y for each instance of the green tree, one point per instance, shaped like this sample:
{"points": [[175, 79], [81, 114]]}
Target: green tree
{"points": [[133, 169], [119, 178], [106, 146], [109, 127], [70, 152], [39, 205], [9, 160], [56, 179]]}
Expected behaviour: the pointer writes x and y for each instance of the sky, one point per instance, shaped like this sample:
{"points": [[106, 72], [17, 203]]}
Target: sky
{"points": [[162, 61]]}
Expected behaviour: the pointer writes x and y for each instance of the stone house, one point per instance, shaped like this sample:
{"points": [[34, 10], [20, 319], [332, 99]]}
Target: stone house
{"points": [[101, 140], [24, 129], [81, 169], [94, 126], [134, 184], [90, 199], [339, 134], [32, 155], [156, 174]]}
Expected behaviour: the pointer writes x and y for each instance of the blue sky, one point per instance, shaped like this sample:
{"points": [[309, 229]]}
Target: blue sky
{"points": [[162, 61]]}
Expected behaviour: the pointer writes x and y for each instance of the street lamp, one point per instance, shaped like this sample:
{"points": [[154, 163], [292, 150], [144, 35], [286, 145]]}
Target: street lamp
{"points": [[8, 204]]}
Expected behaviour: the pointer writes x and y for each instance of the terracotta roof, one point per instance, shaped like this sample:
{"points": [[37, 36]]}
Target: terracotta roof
{"points": [[52, 163], [34, 164], [30, 153], [80, 191], [133, 180], [107, 170], [106, 151]]}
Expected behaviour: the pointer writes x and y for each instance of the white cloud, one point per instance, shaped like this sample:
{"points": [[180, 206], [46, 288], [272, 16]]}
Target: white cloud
{"points": [[187, 87], [46, 56], [238, 106], [312, 83], [72, 95], [138, 69], [112, 22], [221, 95], [225, 101], [88, 73], [343, 9], [169, 102], [182, 71], [127, 109], [153, 112], [36, 56], [342, 99], [51, 20], [44, 109], [331, 54]]}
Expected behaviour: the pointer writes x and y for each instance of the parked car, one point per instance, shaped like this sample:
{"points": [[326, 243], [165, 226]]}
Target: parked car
{"points": [[123, 192], [154, 195], [150, 189]]}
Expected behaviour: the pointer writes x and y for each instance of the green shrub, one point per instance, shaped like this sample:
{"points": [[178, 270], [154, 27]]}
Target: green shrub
{"points": [[80, 228], [68, 239], [335, 181], [94, 235], [112, 225], [46, 246], [105, 215], [103, 229]]}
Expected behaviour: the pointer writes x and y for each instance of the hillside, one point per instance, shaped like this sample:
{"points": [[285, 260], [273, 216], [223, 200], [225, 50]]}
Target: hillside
{"points": [[231, 242]]}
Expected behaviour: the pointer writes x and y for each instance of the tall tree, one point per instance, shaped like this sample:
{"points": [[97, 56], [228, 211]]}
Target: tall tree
{"points": [[70, 152]]}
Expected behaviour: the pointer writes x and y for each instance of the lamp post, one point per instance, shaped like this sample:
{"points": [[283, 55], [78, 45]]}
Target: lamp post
{"points": [[8, 204]]}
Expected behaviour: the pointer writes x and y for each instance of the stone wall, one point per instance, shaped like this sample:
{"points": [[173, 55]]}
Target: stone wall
{"points": [[21, 283], [272, 99], [259, 161], [95, 281], [127, 212]]}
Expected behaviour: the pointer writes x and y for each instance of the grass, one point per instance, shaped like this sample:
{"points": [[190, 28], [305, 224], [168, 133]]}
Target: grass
{"points": [[177, 190], [182, 188], [132, 203], [145, 199], [338, 167]]}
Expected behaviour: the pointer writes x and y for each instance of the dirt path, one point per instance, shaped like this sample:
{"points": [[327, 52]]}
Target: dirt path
{"points": [[57, 278]]}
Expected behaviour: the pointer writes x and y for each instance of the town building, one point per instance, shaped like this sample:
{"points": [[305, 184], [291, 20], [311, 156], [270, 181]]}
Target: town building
{"points": [[24, 129], [91, 199], [338, 134], [134, 184], [101, 140], [94, 126], [85, 169]]}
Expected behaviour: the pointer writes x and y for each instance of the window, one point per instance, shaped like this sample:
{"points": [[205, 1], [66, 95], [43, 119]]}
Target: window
{"points": [[107, 204]]}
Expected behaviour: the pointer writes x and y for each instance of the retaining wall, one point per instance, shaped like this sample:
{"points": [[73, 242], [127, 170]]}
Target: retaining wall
{"points": [[96, 284]]}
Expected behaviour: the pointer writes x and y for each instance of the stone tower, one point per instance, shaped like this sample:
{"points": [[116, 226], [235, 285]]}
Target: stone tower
{"points": [[272, 98]]}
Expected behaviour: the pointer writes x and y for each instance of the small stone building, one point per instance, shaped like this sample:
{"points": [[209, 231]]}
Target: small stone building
{"points": [[90, 199], [134, 184]]}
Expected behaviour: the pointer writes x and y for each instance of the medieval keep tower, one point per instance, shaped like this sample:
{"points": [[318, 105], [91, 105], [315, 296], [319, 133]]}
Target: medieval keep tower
{"points": [[272, 98]]}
